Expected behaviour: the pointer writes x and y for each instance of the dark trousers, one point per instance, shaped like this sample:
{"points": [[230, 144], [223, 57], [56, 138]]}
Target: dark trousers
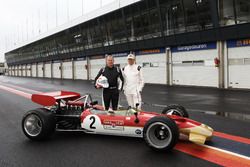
{"points": [[110, 95]]}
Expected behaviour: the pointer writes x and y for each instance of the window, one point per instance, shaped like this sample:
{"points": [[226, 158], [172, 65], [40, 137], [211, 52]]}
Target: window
{"points": [[204, 14], [129, 22], [96, 34], [242, 11], [143, 22], [153, 29], [192, 19], [227, 14], [150, 19], [84, 37], [115, 27], [173, 16], [176, 18]]}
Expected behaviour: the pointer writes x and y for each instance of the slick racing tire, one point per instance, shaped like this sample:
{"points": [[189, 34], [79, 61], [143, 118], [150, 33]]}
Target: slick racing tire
{"points": [[161, 133], [175, 109], [38, 124]]}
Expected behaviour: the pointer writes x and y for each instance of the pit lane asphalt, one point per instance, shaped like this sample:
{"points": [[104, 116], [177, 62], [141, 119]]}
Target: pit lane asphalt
{"points": [[77, 149]]}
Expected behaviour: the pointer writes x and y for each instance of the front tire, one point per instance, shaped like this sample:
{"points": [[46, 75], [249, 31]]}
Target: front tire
{"points": [[161, 133], [175, 109], [38, 124]]}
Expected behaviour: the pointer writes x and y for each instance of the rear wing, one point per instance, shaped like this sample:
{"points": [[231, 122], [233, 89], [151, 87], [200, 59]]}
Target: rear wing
{"points": [[51, 98]]}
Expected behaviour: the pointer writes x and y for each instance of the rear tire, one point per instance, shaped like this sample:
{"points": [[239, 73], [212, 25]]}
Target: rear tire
{"points": [[38, 124], [161, 133], [175, 109]]}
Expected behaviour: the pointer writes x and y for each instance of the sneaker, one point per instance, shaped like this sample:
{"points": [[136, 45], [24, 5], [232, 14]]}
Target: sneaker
{"points": [[111, 111]]}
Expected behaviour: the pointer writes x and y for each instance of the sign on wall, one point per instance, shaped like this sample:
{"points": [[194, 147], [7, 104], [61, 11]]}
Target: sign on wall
{"points": [[238, 43], [137, 53], [124, 54], [150, 51], [186, 48]]}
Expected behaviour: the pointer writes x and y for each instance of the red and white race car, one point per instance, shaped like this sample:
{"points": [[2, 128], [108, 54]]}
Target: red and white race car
{"points": [[69, 111]]}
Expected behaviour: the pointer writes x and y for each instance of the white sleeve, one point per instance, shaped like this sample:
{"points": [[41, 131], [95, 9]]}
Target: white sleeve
{"points": [[124, 78], [141, 80]]}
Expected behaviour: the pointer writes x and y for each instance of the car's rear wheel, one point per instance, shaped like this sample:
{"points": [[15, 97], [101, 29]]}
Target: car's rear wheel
{"points": [[161, 133], [175, 109], [38, 124]]}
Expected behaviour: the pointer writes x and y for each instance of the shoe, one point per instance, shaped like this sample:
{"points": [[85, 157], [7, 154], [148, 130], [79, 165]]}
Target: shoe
{"points": [[111, 111]]}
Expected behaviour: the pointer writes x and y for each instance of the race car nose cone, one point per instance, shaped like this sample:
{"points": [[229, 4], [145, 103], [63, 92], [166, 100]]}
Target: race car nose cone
{"points": [[196, 138]]}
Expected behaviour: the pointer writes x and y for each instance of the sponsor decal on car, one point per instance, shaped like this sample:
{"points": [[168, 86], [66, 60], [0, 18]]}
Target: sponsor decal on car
{"points": [[128, 118], [113, 122], [138, 131], [113, 125]]}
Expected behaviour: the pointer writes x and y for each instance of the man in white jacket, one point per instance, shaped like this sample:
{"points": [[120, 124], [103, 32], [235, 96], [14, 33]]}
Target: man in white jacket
{"points": [[133, 82]]}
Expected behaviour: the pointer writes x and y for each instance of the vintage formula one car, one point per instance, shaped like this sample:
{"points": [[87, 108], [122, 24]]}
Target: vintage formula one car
{"points": [[69, 111]]}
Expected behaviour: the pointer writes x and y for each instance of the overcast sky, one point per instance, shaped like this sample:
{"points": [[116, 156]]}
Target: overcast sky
{"points": [[22, 20]]}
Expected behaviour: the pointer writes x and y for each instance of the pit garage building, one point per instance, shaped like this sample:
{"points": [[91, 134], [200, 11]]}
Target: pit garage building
{"points": [[177, 42]]}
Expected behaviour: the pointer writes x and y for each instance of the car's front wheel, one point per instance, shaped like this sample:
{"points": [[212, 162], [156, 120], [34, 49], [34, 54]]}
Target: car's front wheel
{"points": [[161, 133], [175, 109], [38, 124]]}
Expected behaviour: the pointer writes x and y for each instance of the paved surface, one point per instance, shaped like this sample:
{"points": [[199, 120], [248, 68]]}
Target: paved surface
{"points": [[76, 149]]}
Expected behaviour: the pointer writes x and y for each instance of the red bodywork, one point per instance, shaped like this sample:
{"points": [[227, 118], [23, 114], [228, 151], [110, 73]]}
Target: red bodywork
{"points": [[51, 98], [143, 116]]}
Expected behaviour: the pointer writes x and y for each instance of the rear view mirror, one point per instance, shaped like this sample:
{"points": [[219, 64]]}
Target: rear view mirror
{"points": [[136, 106]]}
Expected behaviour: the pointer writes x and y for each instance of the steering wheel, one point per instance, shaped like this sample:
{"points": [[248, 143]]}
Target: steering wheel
{"points": [[131, 111]]}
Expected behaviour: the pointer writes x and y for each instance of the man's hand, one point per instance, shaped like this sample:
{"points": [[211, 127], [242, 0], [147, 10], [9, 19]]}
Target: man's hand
{"points": [[98, 87]]}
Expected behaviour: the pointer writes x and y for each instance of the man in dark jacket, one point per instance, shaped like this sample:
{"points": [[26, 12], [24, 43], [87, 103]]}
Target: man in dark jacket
{"points": [[112, 73]]}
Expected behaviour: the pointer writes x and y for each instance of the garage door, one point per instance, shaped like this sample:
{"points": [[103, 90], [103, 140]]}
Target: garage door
{"points": [[28, 70], [67, 70], [40, 70], [23, 70], [239, 63], [47, 70], [56, 70], [11, 71], [16, 70], [80, 70], [154, 65], [33, 70], [194, 65], [20, 70], [96, 65]]}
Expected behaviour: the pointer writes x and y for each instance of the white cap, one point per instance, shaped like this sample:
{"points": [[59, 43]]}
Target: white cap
{"points": [[131, 56]]}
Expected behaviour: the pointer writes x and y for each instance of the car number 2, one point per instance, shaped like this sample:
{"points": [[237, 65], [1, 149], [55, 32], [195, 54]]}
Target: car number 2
{"points": [[93, 123], [91, 126]]}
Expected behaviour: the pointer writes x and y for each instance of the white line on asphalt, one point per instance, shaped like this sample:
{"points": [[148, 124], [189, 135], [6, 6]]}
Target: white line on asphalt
{"points": [[18, 87], [225, 151]]}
